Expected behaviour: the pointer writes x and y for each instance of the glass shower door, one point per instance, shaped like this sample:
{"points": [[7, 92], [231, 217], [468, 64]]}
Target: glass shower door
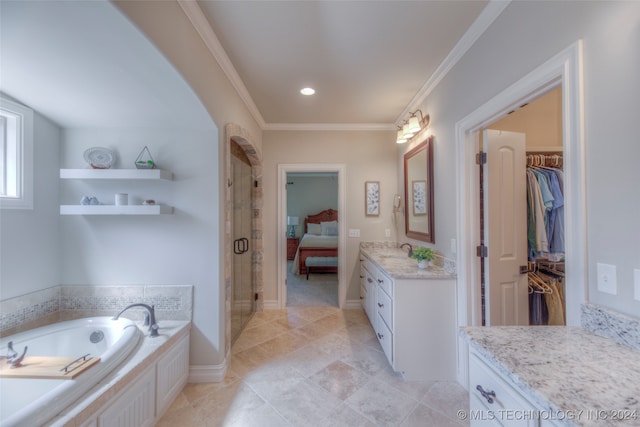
{"points": [[242, 289]]}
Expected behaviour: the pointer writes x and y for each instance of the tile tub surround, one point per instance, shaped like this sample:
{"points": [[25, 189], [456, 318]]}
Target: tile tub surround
{"points": [[398, 265], [564, 369], [66, 302], [607, 323], [148, 352]]}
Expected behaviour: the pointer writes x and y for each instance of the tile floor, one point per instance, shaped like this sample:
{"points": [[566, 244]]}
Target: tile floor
{"points": [[314, 366]]}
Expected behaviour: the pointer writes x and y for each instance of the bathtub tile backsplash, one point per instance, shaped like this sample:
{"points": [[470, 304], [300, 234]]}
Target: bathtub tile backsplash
{"points": [[72, 302], [28, 308]]}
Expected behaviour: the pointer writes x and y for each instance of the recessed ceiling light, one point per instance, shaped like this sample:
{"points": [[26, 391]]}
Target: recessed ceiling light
{"points": [[307, 91]]}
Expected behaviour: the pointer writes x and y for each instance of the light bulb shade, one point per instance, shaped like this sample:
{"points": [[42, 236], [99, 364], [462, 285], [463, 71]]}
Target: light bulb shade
{"points": [[400, 138], [406, 131], [414, 124], [292, 220]]}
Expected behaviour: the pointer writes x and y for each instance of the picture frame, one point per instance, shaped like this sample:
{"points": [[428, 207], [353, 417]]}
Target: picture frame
{"points": [[372, 198], [419, 188]]}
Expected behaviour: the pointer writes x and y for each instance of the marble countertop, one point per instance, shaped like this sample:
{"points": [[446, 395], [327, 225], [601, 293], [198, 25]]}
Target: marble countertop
{"points": [[589, 378], [398, 265]]}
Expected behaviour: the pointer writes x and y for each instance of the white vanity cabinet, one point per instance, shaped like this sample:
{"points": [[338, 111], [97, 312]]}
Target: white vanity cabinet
{"points": [[414, 321], [495, 401]]}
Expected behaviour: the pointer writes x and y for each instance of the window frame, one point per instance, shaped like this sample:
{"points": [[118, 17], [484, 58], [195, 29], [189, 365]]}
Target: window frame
{"points": [[23, 158]]}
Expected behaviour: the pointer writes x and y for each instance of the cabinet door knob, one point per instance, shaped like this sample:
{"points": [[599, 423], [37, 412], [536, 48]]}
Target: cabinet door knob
{"points": [[380, 335], [489, 395], [369, 280], [380, 305]]}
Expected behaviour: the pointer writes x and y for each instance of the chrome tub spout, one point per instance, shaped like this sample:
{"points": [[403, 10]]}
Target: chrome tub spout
{"points": [[149, 317]]}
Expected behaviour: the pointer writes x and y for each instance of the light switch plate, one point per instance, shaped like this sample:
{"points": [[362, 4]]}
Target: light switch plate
{"points": [[354, 232], [607, 280], [387, 232], [636, 284]]}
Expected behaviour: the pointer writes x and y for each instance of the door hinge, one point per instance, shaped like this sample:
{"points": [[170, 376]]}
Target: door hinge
{"points": [[256, 296], [481, 158], [255, 183], [482, 251]]}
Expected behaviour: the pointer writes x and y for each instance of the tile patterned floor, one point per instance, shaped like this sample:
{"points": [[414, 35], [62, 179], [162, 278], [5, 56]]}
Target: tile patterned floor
{"points": [[314, 366]]}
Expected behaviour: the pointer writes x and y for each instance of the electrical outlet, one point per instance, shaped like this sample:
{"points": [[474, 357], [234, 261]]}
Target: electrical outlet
{"points": [[636, 284], [387, 232], [607, 280], [354, 232]]}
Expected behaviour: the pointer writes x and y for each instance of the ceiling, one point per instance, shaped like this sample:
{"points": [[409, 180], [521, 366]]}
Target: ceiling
{"points": [[83, 64], [367, 60]]}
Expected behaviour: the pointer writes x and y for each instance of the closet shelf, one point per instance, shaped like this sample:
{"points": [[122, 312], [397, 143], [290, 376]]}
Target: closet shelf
{"points": [[132, 174], [115, 210]]}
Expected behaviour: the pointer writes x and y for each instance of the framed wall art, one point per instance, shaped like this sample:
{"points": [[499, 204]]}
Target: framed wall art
{"points": [[419, 197], [372, 198]]}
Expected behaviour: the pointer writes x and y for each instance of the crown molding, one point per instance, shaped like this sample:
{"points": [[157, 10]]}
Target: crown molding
{"points": [[489, 14], [330, 127], [191, 8], [202, 26]]}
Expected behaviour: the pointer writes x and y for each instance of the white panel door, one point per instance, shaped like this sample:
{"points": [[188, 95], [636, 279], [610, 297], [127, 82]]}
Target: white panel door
{"points": [[506, 221]]}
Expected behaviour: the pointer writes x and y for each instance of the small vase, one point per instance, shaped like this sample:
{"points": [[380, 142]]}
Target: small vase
{"points": [[423, 263]]}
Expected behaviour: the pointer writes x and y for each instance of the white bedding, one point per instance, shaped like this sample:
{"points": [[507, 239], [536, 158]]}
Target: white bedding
{"points": [[313, 241]]}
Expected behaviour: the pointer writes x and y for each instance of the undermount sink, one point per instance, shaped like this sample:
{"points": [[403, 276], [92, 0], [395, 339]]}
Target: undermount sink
{"points": [[394, 256]]}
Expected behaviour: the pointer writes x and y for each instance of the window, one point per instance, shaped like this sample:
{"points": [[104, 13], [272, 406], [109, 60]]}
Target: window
{"points": [[16, 156]]}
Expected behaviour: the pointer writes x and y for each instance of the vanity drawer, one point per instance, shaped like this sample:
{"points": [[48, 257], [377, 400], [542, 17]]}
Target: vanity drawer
{"points": [[384, 306], [385, 337], [505, 398], [385, 283]]}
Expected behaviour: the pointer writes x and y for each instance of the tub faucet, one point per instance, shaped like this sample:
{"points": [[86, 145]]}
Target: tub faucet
{"points": [[149, 317], [410, 248]]}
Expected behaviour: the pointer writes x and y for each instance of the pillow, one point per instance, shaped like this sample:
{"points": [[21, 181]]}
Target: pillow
{"points": [[329, 228], [314, 228]]}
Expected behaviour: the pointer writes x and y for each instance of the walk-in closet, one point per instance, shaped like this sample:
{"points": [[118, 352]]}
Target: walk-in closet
{"points": [[522, 219]]}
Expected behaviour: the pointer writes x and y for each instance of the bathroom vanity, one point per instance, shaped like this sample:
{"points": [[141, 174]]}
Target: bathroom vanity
{"points": [[411, 310], [549, 376]]}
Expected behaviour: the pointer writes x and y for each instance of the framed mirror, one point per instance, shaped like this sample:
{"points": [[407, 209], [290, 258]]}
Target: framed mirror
{"points": [[418, 192]]}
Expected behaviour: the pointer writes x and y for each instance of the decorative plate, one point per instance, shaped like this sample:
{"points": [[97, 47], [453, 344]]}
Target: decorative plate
{"points": [[100, 157]]}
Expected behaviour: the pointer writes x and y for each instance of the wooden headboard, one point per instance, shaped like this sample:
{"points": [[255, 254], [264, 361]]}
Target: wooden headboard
{"points": [[324, 216]]}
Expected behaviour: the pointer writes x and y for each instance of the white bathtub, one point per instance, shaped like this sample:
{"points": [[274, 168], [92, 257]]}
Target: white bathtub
{"points": [[35, 401]]}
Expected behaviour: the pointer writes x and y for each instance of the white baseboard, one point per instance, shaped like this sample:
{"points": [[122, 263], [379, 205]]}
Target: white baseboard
{"points": [[208, 373], [352, 304], [271, 304]]}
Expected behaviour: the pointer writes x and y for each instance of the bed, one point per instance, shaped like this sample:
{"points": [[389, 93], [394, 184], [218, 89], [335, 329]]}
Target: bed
{"points": [[320, 239]]}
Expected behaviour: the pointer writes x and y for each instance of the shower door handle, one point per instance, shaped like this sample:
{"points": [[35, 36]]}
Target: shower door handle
{"points": [[240, 245]]}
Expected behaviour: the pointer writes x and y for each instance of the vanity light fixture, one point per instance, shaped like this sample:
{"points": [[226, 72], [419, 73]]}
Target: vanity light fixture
{"points": [[401, 138], [412, 126], [307, 91]]}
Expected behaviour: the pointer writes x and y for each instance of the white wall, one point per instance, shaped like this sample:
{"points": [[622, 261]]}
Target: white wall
{"points": [[29, 252], [522, 38], [179, 249], [368, 156]]}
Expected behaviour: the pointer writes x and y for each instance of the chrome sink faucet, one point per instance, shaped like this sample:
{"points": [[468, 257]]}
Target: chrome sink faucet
{"points": [[410, 248], [149, 317]]}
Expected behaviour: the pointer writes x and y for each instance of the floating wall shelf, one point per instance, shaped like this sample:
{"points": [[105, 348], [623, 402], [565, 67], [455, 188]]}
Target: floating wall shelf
{"points": [[115, 174], [115, 210]]}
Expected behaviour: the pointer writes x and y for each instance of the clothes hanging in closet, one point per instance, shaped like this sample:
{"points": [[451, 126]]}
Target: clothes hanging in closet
{"points": [[545, 212]]}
